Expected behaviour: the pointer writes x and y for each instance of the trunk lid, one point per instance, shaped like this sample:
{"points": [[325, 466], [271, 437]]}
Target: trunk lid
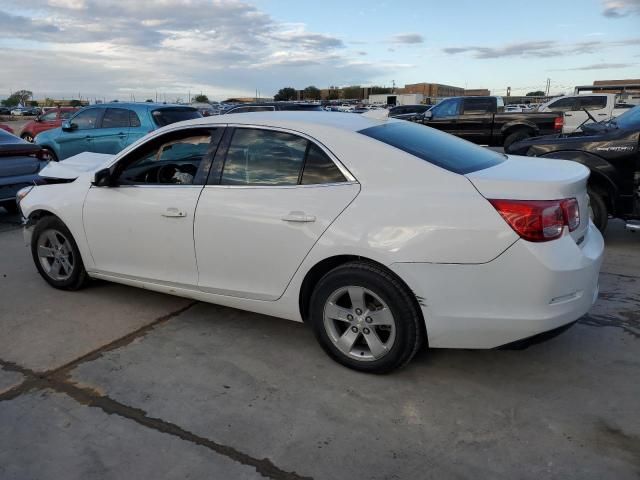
{"points": [[528, 178], [73, 167]]}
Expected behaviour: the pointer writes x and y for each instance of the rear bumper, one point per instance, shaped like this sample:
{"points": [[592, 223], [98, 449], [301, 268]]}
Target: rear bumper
{"points": [[530, 289]]}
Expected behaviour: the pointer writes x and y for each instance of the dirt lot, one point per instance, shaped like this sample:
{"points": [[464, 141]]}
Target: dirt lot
{"points": [[114, 382]]}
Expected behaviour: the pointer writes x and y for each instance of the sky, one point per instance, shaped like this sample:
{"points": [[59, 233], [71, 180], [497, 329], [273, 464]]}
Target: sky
{"points": [[137, 49]]}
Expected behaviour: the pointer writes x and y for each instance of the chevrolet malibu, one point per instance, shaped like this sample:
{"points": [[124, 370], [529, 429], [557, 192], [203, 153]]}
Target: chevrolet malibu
{"points": [[383, 235]]}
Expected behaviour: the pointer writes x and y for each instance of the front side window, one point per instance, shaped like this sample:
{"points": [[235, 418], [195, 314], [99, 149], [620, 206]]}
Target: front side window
{"points": [[65, 114], [563, 105], [171, 159], [49, 117], [446, 108], [86, 119], [116, 118]]}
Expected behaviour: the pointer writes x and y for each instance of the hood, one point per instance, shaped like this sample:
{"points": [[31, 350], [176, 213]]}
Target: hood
{"points": [[73, 167]]}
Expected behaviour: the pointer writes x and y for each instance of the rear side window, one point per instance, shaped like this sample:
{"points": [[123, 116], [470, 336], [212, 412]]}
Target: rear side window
{"points": [[592, 102], [116, 118], [433, 146], [319, 168], [478, 105], [166, 116]]}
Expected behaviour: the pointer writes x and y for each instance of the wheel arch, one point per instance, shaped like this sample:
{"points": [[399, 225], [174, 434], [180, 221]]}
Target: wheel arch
{"points": [[511, 127], [321, 268]]}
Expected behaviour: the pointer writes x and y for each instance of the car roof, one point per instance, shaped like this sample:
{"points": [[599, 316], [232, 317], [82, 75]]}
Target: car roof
{"points": [[293, 120], [149, 105]]}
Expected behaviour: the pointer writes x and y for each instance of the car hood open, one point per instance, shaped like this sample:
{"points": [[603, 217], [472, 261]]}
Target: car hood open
{"points": [[73, 167]]}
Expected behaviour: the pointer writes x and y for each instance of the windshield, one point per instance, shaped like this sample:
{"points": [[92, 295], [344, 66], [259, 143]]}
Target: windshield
{"points": [[629, 119], [434, 146], [165, 116]]}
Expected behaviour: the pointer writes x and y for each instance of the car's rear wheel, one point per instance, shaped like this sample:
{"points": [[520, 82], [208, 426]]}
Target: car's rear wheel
{"points": [[365, 318], [27, 136], [56, 255], [598, 209]]}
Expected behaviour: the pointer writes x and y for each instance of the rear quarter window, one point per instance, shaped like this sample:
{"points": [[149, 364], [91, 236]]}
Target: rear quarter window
{"points": [[166, 116], [434, 146]]}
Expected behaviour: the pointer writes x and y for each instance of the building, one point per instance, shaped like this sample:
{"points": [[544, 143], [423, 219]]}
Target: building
{"points": [[432, 90], [396, 99], [477, 92], [630, 85]]}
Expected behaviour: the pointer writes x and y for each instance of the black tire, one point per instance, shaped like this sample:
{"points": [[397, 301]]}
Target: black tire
{"points": [[50, 153], [78, 277], [409, 326], [516, 137], [10, 207], [599, 208], [27, 136]]}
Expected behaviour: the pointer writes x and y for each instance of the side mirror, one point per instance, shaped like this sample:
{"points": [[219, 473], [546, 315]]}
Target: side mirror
{"points": [[38, 119], [102, 178], [427, 115], [67, 126]]}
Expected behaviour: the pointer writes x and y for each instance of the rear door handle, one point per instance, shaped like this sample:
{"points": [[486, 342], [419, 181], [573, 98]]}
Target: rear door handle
{"points": [[299, 217], [174, 212], [568, 115], [602, 114]]}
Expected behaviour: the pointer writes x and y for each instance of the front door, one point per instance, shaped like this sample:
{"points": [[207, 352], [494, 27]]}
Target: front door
{"points": [[444, 116], [274, 195], [78, 139], [142, 228]]}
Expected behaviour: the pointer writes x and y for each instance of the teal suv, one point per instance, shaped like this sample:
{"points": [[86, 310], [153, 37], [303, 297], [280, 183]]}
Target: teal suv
{"points": [[109, 127]]}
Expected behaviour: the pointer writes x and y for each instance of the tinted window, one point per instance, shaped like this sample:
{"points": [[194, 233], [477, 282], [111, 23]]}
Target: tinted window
{"points": [[446, 108], [562, 105], [115, 118], [171, 159], [439, 148], [66, 114], [134, 120], [86, 119], [306, 108], [166, 116], [319, 168], [592, 103], [478, 105], [263, 157]]}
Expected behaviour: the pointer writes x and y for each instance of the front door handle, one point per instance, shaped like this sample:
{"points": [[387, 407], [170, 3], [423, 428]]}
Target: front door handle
{"points": [[174, 212], [122, 134], [299, 217], [568, 114]]}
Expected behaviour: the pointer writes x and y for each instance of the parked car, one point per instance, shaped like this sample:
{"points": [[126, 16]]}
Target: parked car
{"points": [[19, 111], [205, 109], [6, 128], [53, 118], [274, 106], [408, 112], [611, 152], [482, 120], [5, 111], [109, 127], [321, 217], [601, 106], [19, 167]]}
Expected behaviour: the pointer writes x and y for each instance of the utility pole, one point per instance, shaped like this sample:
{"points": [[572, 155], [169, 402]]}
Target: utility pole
{"points": [[546, 92], [393, 86]]}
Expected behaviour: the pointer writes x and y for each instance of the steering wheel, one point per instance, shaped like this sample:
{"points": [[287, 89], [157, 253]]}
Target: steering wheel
{"points": [[165, 173]]}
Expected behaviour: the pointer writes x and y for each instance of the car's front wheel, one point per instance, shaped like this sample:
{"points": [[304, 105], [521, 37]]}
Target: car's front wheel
{"points": [[365, 318], [56, 255]]}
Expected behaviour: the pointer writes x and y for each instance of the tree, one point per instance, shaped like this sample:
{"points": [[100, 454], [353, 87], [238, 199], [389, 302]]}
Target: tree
{"points": [[537, 93], [353, 92], [311, 93], [49, 102], [33, 103], [201, 99], [75, 103], [286, 94], [334, 93], [377, 90], [21, 97]]}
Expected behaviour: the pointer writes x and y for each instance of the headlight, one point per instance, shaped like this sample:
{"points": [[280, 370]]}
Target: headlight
{"points": [[23, 192]]}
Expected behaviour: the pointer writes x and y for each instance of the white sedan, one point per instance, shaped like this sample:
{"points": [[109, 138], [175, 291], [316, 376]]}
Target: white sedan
{"points": [[383, 235]]}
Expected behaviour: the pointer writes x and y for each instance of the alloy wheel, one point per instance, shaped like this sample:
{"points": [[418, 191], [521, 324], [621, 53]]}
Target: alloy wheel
{"points": [[55, 255], [359, 323]]}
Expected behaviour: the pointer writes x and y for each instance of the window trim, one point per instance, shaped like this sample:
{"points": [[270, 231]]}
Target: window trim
{"points": [[128, 110], [200, 179], [220, 158]]}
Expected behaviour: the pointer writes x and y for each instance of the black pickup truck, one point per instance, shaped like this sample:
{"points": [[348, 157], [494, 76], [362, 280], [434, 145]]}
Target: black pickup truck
{"points": [[611, 150], [482, 120]]}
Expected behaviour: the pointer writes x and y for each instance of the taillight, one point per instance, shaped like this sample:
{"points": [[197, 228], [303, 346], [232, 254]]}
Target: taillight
{"points": [[558, 123], [539, 220]]}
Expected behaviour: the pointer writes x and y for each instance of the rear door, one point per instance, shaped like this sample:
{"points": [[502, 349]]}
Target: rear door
{"points": [[476, 120], [111, 136], [271, 195]]}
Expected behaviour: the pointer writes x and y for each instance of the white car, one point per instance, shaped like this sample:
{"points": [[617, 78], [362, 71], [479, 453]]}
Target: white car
{"points": [[383, 235], [601, 107]]}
